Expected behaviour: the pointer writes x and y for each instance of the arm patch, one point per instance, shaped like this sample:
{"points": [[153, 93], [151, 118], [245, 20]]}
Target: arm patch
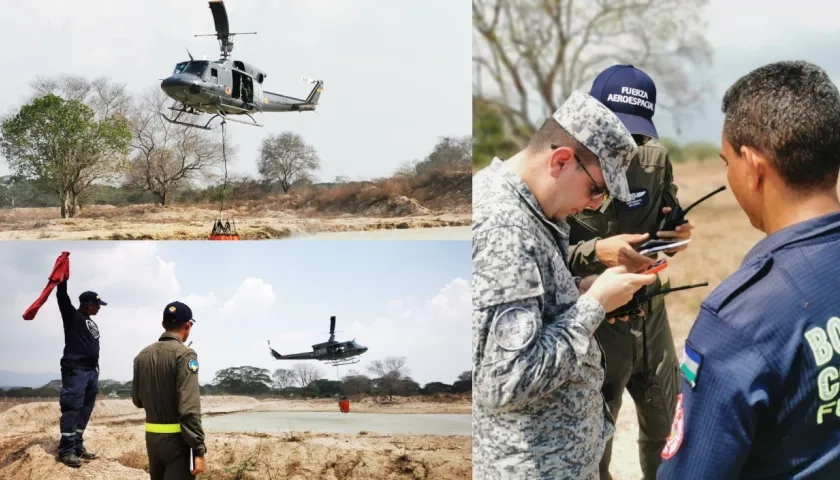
{"points": [[193, 365], [514, 329]]}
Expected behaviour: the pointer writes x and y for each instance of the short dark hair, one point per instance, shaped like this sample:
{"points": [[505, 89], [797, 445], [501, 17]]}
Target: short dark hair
{"points": [[169, 322], [790, 112]]}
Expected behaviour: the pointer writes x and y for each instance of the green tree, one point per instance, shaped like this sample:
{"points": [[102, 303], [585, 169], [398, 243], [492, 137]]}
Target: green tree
{"points": [[59, 143], [243, 380], [490, 138]]}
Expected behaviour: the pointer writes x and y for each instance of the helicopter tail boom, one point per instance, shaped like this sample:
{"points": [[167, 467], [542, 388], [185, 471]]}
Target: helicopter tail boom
{"points": [[274, 102]]}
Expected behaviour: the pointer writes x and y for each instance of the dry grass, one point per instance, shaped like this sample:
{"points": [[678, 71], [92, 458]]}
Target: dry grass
{"points": [[27, 452], [433, 199]]}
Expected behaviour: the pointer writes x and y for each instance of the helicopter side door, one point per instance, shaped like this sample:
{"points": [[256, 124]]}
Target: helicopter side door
{"points": [[225, 81]]}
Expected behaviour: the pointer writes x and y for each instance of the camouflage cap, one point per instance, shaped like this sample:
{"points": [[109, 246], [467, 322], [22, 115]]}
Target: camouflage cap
{"points": [[598, 129]]}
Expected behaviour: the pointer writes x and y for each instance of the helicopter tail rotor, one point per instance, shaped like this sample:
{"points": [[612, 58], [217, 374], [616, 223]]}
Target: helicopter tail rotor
{"points": [[315, 94]]}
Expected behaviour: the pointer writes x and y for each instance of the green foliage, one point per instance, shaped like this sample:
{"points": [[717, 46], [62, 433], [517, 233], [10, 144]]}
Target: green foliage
{"points": [[489, 136], [61, 145], [691, 151]]}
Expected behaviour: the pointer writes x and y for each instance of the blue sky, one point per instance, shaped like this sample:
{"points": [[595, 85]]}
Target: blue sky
{"points": [[379, 59], [395, 297]]}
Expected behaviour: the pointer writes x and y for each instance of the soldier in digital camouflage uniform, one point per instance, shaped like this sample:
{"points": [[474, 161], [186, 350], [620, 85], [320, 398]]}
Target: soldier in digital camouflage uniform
{"points": [[538, 412], [640, 354]]}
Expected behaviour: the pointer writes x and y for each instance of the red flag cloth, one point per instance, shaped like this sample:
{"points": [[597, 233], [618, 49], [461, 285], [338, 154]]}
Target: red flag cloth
{"points": [[60, 273]]}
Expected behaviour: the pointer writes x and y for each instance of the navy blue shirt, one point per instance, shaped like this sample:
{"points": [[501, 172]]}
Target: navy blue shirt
{"points": [[81, 334], [760, 387]]}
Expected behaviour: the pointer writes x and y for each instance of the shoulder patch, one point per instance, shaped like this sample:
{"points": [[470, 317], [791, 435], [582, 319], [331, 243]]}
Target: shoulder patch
{"points": [[674, 440], [514, 328], [193, 365], [690, 366]]}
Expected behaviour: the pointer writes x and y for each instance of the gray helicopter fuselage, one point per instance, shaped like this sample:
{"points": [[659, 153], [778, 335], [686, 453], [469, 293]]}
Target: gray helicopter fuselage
{"points": [[232, 86]]}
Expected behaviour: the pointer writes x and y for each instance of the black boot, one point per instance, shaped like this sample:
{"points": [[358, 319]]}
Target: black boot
{"points": [[70, 459], [85, 455]]}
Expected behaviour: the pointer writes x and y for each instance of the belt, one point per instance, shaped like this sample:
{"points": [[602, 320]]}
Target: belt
{"points": [[163, 427]]}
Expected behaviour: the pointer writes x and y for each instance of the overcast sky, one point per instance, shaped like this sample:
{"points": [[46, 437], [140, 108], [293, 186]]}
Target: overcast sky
{"points": [[397, 74], [399, 298], [747, 34]]}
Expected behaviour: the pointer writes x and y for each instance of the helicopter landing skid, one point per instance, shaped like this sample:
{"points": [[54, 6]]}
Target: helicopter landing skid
{"points": [[343, 361], [225, 117]]}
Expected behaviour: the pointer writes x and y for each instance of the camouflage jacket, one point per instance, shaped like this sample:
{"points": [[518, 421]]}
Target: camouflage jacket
{"points": [[538, 412]]}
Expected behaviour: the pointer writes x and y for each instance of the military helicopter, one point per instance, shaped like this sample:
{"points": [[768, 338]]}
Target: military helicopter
{"points": [[225, 87], [332, 352]]}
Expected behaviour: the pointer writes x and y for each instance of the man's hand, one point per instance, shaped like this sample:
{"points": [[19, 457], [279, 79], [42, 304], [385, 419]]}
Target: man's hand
{"points": [[683, 232], [200, 466], [617, 250], [585, 283]]}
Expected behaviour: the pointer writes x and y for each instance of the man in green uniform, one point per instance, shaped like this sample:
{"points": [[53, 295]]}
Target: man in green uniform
{"points": [[640, 354], [165, 384]]}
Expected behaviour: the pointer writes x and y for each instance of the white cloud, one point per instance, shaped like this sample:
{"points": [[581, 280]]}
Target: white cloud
{"points": [[253, 296]]}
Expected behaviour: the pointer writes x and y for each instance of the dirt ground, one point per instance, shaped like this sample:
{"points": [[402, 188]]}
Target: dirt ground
{"points": [[149, 222], [721, 237], [29, 437]]}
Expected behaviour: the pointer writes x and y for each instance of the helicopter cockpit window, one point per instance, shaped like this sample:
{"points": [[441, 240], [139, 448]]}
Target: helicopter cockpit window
{"points": [[194, 68]]}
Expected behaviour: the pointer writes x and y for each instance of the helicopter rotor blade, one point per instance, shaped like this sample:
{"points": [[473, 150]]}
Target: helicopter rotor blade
{"points": [[220, 19]]}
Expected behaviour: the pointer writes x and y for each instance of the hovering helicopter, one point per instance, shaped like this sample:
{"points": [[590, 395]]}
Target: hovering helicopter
{"points": [[332, 352], [227, 87]]}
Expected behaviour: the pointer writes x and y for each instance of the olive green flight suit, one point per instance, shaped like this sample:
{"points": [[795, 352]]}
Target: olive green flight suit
{"points": [[166, 385], [640, 354]]}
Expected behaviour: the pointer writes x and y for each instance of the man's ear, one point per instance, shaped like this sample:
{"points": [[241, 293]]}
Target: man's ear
{"points": [[558, 160], [755, 166]]}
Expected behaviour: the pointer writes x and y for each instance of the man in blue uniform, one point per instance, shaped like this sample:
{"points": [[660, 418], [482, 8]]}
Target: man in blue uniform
{"points": [[760, 387], [79, 372]]}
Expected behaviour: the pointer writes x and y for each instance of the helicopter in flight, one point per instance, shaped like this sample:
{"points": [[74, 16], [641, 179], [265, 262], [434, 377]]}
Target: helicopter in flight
{"points": [[332, 352], [226, 88]]}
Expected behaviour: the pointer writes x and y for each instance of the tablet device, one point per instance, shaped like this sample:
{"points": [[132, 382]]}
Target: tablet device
{"points": [[665, 246]]}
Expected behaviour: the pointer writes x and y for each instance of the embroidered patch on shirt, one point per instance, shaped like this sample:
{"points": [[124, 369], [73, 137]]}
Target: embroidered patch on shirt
{"points": [[638, 199], [193, 365], [691, 362], [674, 440]]}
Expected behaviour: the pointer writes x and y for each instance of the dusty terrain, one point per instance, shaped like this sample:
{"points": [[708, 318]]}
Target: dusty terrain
{"points": [[722, 235], [434, 200], [29, 436]]}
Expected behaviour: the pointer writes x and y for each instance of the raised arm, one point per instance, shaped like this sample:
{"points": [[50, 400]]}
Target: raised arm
{"points": [[65, 306]]}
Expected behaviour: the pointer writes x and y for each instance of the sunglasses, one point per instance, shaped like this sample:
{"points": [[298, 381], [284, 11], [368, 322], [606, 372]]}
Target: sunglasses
{"points": [[595, 192]]}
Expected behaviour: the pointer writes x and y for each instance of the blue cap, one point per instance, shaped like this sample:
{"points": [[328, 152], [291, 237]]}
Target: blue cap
{"points": [[90, 298], [631, 94], [180, 311]]}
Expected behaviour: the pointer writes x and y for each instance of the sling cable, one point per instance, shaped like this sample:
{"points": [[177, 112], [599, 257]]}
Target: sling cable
{"points": [[224, 231]]}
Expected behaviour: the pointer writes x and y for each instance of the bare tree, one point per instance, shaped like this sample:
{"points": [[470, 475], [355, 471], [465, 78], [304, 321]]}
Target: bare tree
{"points": [[283, 378], [105, 98], [448, 153], [167, 156], [535, 53], [305, 373], [390, 373], [287, 159]]}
